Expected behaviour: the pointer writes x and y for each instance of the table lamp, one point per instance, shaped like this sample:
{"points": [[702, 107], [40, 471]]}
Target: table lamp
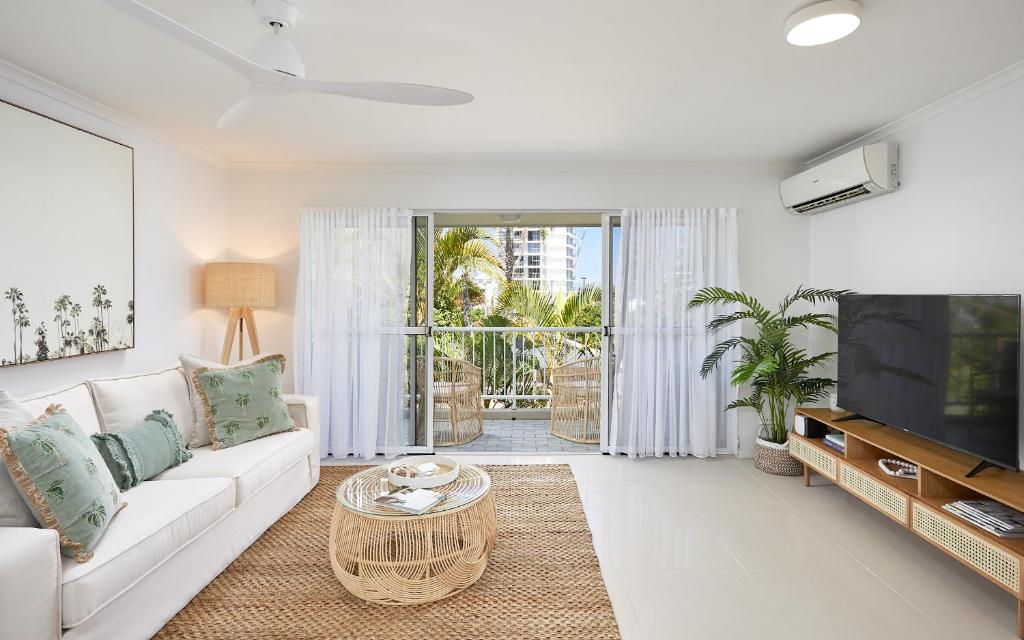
{"points": [[240, 286]]}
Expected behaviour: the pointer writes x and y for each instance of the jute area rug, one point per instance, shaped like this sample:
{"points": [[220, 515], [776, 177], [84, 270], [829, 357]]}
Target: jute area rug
{"points": [[542, 581]]}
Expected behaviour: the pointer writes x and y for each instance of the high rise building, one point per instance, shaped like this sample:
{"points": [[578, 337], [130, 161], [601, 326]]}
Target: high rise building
{"points": [[545, 257]]}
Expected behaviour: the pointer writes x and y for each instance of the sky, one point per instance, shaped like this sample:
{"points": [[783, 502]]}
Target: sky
{"points": [[588, 257]]}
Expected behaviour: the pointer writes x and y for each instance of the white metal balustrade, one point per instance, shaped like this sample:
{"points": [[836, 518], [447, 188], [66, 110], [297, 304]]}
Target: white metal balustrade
{"points": [[516, 362]]}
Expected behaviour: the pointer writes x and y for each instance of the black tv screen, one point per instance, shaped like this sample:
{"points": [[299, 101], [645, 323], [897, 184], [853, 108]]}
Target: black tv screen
{"points": [[943, 367]]}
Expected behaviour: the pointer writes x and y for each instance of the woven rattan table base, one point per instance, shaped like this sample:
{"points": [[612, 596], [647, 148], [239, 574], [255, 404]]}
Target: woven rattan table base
{"points": [[412, 559], [543, 580]]}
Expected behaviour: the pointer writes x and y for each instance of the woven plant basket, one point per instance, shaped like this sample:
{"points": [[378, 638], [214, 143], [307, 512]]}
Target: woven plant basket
{"points": [[774, 458]]}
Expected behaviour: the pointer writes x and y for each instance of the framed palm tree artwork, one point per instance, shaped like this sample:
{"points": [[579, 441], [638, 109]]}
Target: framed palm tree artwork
{"points": [[67, 269]]}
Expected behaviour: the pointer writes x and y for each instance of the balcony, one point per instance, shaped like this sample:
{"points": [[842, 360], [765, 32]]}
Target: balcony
{"points": [[514, 368]]}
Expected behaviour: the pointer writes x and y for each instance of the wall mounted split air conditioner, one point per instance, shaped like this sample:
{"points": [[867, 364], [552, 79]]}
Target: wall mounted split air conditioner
{"points": [[855, 175]]}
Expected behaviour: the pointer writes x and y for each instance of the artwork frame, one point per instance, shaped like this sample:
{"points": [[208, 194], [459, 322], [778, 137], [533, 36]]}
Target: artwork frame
{"points": [[75, 189]]}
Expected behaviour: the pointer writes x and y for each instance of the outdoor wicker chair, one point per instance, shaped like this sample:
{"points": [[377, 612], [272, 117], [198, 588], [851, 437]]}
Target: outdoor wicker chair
{"points": [[576, 401], [458, 407]]}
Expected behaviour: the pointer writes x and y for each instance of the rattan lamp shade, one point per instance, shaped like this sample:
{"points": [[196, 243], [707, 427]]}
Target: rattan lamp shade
{"points": [[240, 284]]}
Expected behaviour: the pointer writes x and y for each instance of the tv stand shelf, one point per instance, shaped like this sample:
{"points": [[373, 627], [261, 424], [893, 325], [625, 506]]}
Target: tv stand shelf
{"points": [[917, 503]]}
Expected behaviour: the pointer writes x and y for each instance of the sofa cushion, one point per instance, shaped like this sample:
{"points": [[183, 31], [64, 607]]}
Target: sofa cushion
{"points": [[63, 479], [13, 510], [163, 518], [251, 465], [141, 452], [201, 434], [123, 402], [243, 402], [76, 400]]}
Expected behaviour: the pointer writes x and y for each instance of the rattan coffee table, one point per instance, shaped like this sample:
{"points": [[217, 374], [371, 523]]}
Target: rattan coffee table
{"points": [[388, 557]]}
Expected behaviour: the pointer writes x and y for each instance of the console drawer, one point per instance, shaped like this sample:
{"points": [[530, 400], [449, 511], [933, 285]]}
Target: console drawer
{"points": [[819, 460], [969, 547], [879, 495]]}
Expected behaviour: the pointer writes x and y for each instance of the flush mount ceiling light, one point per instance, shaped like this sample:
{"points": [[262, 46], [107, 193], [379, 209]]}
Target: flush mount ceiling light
{"points": [[510, 217], [823, 22]]}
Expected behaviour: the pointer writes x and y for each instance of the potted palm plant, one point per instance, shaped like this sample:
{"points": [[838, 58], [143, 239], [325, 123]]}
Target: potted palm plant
{"points": [[778, 373]]}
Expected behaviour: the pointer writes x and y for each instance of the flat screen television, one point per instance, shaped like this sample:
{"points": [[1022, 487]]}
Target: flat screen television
{"points": [[942, 367]]}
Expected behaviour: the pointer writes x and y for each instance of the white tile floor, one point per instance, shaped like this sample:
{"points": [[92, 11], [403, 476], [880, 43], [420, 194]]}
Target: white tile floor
{"points": [[703, 549]]}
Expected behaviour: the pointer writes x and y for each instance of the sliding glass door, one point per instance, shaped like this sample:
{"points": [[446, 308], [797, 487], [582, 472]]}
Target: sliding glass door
{"points": [[610, 234], [419, 406]]}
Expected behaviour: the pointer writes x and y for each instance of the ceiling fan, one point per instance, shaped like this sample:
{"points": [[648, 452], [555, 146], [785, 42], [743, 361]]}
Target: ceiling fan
{"points": [[274, 68]]}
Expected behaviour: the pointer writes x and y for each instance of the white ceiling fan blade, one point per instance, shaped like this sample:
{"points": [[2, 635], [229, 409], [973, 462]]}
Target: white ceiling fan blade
{"points": [[238, 112], [197, 41], [397, 92]]}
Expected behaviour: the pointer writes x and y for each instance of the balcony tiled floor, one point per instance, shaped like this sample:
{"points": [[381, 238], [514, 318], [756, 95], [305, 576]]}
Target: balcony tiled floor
{"points": [[520, 436]]}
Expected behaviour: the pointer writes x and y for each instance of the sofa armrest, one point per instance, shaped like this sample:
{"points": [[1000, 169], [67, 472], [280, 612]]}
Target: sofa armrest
{"points": [[30, 583], [305, 411]]}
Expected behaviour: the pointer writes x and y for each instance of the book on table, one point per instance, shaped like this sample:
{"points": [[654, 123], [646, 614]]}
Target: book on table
{"points": [[409, 500], [835, 441]]}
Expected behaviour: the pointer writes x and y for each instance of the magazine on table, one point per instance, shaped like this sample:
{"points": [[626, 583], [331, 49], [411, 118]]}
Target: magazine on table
{"points": [[989, 515], [409, 500]]}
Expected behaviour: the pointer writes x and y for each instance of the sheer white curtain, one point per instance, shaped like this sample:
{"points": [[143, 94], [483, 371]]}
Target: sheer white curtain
{"points": [[353, 288], [661, 404]]}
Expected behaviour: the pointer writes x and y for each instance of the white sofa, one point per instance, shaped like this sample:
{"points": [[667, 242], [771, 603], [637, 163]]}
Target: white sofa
{"points": [[178, 531]]}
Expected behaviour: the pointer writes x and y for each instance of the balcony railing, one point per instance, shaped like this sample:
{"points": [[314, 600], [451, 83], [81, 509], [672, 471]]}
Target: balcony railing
{"points": [[516, 362]]}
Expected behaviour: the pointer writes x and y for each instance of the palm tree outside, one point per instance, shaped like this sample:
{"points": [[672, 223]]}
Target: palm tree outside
{"points": [[462, 255]]}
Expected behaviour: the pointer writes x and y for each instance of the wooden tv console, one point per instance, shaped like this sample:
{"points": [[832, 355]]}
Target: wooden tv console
{"points": [[917, 503]]}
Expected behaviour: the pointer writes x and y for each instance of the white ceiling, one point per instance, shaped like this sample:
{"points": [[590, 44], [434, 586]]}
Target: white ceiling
{"points": [[574, 81]]}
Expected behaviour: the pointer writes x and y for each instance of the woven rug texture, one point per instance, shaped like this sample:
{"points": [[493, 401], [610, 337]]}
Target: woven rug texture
{"points": [[542, 582]]}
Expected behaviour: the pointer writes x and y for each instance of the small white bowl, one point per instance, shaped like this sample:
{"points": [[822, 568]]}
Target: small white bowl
{"points": [[427, 482]]}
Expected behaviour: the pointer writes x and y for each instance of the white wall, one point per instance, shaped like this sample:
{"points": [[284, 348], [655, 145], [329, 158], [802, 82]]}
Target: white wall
{"points": [[181, 222], [957, 223], [265, 204]]}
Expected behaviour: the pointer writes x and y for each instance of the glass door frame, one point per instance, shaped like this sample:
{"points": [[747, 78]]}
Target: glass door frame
{"points": [[609, 221], [417, 328]]}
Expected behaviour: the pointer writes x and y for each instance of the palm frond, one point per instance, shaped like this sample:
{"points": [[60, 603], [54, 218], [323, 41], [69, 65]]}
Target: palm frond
{"points": [[711, 361], [811, 389], [814, 361], [726, 320], [709, 296], [577, 303], [812, 295], [748, 370], [750, 402], [823, 320], [528, 305]]}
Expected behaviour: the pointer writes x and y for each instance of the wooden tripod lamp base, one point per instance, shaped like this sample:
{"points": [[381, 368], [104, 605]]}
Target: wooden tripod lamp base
{"points": [[240, 286], [240, 321]]}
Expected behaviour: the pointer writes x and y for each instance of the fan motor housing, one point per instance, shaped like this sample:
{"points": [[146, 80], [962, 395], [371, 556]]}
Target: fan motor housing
{"points": [[276, 13]]}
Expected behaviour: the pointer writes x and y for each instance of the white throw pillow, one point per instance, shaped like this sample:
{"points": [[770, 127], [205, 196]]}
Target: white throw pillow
{"points": [[13, 510], [123, 402], [201, 434]]}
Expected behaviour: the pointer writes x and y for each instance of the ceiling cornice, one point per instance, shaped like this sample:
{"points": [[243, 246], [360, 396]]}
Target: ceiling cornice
{"points": [[988, 84], [53, 91], [521, 167]]}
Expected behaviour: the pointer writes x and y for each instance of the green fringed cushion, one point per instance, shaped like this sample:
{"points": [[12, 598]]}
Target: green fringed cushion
{"points": [[63, 480], [243, 402], [141, 452]]}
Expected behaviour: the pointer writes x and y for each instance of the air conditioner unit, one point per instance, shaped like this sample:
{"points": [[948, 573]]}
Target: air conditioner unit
{"points": [[862, 173]]}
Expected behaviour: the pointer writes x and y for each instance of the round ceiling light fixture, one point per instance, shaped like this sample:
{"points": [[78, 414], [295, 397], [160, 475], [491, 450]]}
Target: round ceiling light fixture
{"points": [[823, 22], [510, 217]]}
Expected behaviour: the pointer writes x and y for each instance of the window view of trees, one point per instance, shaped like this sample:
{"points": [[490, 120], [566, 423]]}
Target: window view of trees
{"points": [[478, 282]]}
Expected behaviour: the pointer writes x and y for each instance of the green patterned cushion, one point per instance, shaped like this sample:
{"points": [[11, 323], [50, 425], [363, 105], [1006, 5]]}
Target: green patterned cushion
{"points": [[243, 402], [63, 479], [141, 452]]}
